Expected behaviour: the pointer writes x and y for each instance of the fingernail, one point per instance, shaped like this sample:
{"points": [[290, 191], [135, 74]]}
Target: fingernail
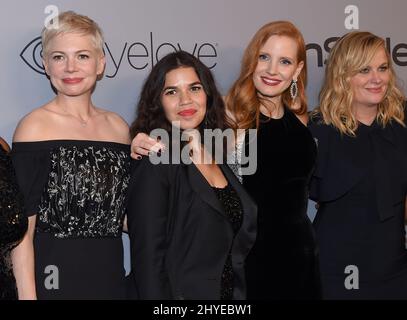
{"points": [[138, 157]]}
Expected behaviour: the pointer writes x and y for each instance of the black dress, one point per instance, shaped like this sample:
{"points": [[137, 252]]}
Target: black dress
{"points": [[283, 263], [13, 225], [361, 185], [77, 190], [233, 210]]}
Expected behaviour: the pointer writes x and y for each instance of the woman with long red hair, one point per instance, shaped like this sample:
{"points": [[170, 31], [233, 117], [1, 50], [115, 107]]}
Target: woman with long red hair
{"points": [[269, 96]]}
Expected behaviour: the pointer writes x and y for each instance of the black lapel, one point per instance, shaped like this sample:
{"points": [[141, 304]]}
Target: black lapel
{"points": [[203, 189]]}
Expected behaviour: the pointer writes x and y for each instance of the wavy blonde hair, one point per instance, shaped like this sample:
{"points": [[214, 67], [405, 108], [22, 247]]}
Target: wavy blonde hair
{"points": [[242, 100], [349, 55]]}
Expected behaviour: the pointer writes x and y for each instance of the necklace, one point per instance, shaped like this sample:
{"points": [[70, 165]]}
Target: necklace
{"points": [[83, 122]]}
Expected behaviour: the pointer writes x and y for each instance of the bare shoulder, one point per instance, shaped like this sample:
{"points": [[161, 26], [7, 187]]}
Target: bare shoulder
{"points": [[116, 120], [33, 126], [118, 124]]}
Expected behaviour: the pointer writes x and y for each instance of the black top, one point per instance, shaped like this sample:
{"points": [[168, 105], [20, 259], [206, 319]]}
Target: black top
{"points": [[283, 262], [77, 190], [180, 233], [361, 185], [233, 209], [13, 224]]}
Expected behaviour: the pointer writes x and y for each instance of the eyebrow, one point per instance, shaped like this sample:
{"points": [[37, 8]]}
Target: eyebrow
{"points": [[79, 51], [288, 58], [284, 57], [191, 84]]}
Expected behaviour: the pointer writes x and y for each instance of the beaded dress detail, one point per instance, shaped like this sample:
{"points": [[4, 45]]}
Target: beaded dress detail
{"points": [[13, 224], [234, 212]]}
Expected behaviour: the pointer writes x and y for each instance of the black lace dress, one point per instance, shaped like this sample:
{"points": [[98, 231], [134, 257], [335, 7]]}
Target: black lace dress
{"points": [[77, 190], [13, 225]]}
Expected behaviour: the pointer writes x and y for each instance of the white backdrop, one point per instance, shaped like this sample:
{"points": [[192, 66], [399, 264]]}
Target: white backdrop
{"points": [[137, 32]]}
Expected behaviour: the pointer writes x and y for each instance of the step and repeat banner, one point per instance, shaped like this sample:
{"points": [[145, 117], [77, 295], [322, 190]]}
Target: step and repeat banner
{"points": [[140, 32]]}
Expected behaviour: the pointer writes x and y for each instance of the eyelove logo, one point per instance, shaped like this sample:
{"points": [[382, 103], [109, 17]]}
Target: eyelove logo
{"points": [[138, 55]]}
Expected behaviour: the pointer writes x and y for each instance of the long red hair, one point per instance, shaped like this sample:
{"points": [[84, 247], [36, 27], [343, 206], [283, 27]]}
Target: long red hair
{"points": [[242, 100]]}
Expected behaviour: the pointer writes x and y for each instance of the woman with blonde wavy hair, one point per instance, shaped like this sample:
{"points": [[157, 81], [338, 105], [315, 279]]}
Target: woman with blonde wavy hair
{"points": [[360, 180]]}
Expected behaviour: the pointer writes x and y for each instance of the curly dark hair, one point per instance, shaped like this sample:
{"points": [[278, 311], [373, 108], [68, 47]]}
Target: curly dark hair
{"points": [[150, 111]]}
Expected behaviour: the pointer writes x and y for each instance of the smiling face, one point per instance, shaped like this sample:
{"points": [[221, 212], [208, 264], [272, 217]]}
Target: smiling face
{"points": [[73, 63], [370, 84], [184, 98], [277, 66]]}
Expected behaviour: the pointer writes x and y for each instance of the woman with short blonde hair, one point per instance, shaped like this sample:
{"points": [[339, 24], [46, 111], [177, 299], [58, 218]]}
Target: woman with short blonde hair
{"points": [[73, 166]]}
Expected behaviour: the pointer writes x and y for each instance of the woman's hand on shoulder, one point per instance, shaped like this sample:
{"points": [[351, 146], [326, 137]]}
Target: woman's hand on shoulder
{"points": [[142, 145]]}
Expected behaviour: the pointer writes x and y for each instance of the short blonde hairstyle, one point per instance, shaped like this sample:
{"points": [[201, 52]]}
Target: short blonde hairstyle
{"points": [[71, 22], [350, 54]]}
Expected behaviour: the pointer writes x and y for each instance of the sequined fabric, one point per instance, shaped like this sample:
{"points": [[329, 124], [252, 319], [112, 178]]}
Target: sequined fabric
{"points": [[85, 193], [13, 224], [236, 159], [233, 210]]}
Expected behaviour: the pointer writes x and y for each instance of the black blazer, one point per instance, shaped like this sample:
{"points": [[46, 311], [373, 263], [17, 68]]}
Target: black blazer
{"points": [[180, 236]]}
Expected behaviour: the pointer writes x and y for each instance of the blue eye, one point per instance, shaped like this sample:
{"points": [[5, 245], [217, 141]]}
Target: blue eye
{"points": [[286, 61], [264, 57], [383, 68]]}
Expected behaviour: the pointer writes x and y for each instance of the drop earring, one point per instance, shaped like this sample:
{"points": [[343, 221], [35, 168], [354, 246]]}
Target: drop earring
{"points": [[294, 89]]}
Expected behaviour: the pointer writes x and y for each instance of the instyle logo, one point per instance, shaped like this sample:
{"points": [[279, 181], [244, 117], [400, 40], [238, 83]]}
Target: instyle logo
{"points": [[398, 52], [136, 55]]}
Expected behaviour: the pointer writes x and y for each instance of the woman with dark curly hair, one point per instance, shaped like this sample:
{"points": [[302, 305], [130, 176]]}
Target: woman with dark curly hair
{"points": [[191, 224], [269, 98]]}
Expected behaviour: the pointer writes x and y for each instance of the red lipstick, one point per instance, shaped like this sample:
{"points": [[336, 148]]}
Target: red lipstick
{"points": [[72, 80], [187, 112], [270, 81]]}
